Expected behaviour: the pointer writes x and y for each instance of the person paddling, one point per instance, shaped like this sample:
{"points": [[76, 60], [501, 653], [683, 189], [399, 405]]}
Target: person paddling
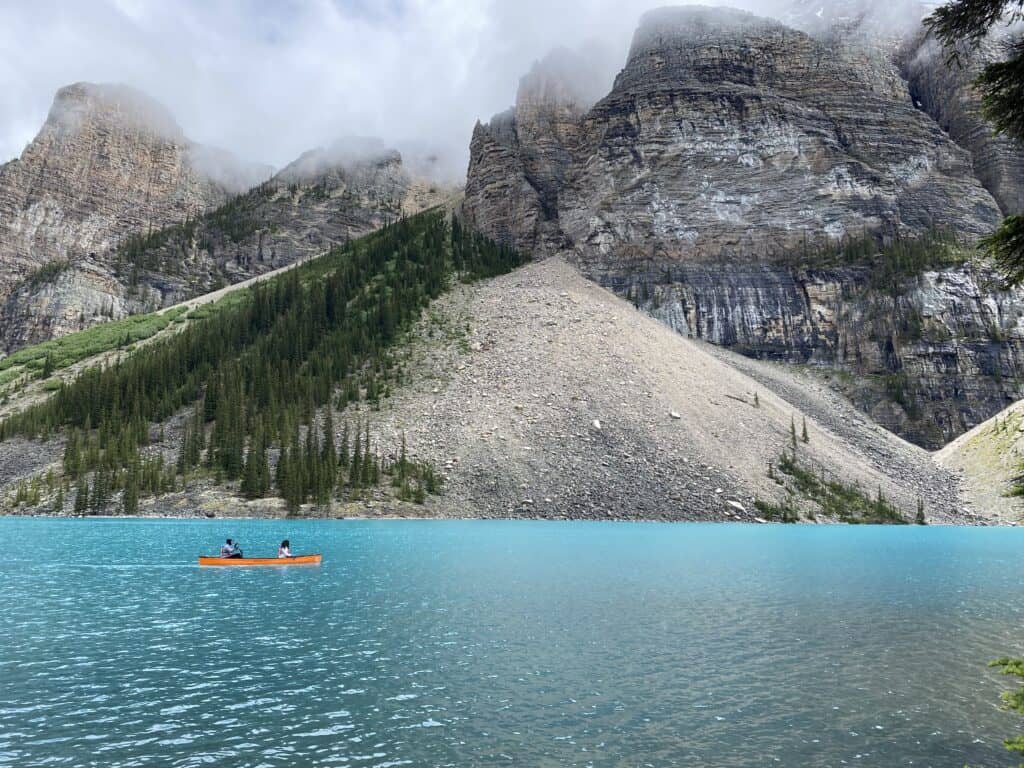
{"points": [[285, 550], [230, 549]]}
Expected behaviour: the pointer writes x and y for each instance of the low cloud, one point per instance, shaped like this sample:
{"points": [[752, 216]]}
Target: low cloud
{"points": [[270, 80]]}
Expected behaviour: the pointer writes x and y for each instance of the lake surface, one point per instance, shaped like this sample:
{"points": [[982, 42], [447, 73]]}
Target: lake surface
{"points": [[506, 643]]}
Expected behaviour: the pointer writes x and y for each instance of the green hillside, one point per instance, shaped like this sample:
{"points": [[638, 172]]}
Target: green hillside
{"points": [[259, 372]]}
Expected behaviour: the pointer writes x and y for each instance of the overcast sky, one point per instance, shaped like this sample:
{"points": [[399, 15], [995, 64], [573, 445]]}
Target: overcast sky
{"points": [[272, 79]]}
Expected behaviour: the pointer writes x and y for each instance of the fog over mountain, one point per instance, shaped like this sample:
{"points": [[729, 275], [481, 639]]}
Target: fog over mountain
{"points": [[272, 80]]}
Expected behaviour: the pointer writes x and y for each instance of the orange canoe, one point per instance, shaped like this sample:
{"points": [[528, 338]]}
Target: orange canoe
{"points": [[297, 560]]}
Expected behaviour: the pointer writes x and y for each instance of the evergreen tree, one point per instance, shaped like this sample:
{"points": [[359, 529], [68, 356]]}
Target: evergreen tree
{"points": [[274, 356], [366, 465], [130, 496], [282, 475], [804, 436], [82, 497], [100, 491], [311, 466], [328, 456], [355, 469], [256, 476], [72, 454], [343, 456], [1013, 700], [183, 451]]}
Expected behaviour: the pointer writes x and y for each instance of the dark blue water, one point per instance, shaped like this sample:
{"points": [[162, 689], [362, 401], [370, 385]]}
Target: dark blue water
{"points": [[506, 643]]}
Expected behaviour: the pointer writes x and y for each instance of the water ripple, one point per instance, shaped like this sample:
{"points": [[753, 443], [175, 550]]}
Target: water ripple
{"points": [[489, 643]]}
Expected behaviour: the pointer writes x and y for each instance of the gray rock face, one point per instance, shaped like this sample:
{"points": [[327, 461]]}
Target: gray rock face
{"points": [[107, 162], [322, 199], [110, 166], [947, 94], [731, 141], [68, 299], [725, 136], [927, 361]]}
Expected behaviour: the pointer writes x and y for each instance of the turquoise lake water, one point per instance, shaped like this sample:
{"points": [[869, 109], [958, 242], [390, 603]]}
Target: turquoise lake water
{"points": [[506, 643]]}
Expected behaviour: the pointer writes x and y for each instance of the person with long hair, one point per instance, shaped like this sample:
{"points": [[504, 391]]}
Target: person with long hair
{"points": [[230, 549]]}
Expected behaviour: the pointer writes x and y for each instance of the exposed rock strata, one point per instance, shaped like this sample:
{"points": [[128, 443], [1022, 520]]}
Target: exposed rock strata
{"points": [[322, 199], [928, 361], [729, 141], [947, 94], [108, 161], [725, 136]]}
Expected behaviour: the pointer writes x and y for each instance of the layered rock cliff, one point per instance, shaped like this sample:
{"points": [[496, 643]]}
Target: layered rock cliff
{"points": [[115, 212], [109, 161], [725, 136], [729, 147], [927, 357], [947, 94]]}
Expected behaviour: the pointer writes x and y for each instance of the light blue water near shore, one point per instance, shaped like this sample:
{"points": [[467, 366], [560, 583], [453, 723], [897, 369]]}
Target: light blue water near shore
{"points": [[506, 643]]}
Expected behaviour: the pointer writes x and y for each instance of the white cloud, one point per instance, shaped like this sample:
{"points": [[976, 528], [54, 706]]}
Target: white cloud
{"points": [[272, 79]]}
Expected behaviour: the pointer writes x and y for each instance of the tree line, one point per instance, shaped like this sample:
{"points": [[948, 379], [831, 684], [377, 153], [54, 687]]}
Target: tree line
{"points": [[263, 374]]}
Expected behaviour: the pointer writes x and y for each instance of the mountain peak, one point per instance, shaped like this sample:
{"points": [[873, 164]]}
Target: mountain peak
{"points": [[123, 105], [341, 157], [665, 27], [564, 76]]}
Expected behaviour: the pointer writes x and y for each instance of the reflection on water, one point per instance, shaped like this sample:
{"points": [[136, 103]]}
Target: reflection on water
{"points": [[494, 643]]}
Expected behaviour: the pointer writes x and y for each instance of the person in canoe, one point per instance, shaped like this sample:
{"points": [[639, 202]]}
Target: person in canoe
{"points": [[230, 549], [285, 550]]}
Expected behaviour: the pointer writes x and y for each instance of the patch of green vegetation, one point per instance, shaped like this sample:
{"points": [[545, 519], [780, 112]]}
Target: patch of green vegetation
{"points": [[847, 503], [263, 369], [47, 273], [227, 301], [910, 325], [12, 374], [1001, 434], [897, 388], [1016, 489], [1013, 701], [163, 249], [936, 333], [891, 259], [781, 513], [56, 354]]}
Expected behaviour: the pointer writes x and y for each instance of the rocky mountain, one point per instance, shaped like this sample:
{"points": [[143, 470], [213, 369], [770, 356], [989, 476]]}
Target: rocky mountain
{"points": [[616, 417], [133, 217], [725, 136], [109, 161], [946, 92], [715, 182]]}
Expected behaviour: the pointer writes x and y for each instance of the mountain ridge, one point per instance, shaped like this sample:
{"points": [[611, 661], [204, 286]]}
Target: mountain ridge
{"points": [[793, 197], [568, 442], [325, 197], [731, 156]]}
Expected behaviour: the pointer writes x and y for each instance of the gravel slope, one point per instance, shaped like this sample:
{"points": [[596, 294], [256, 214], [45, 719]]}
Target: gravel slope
{"points": [[542, 394], [990, 461]]}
